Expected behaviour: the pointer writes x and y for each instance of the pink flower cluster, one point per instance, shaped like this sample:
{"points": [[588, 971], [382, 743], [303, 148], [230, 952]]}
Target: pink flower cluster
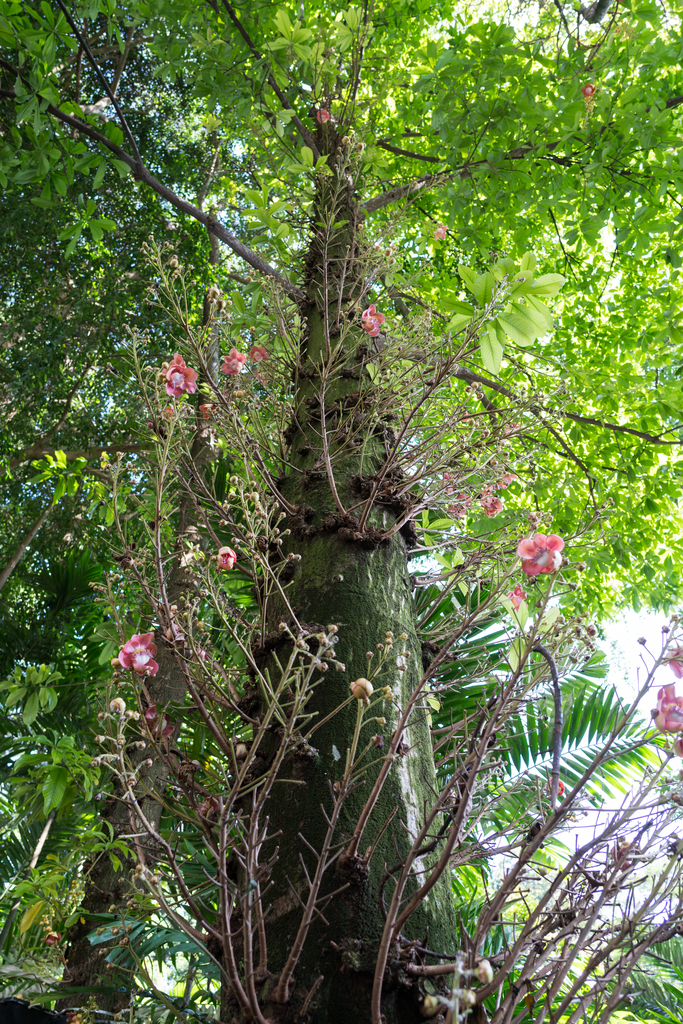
{"points": [[441, 232], [179, 377], [234, 361], [541, 554], [138, 654], [371, 321]]}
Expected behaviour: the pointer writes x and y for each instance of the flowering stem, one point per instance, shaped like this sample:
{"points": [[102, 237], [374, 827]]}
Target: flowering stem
{"points": [[557, 727]]}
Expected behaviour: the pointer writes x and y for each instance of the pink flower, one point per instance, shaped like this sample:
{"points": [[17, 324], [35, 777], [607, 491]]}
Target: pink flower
{"points": [[257, 353], [491, 506], [371, 321], [678, 747], [510, 428], [206, 410], [449, 488], [587, 91], [138, 654], [52, 938], [517, 596], [151, 718], [505, 481], [541, 554], [226, 558], [233, 362], [322, 115], [675, 662], [459, 510], [179, 377], [441, 231], [668, 715]]}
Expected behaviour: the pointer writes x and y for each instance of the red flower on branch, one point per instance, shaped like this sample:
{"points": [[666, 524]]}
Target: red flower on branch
{"points": [[158, 728], [138, 654], [226, 558], [180, 377], [371, 321], [541, 554], [233, 362], [322, 115], [588, 91], [668, 715], [517, 596], [257, 353]]}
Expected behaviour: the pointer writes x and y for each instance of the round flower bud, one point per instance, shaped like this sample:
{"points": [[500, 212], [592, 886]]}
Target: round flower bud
{"points": [[485, 972], [117, 706], [430, 1006], [361, 689], [468, 998]]}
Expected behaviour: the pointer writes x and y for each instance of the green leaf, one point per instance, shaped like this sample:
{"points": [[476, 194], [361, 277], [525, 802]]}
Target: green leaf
{"points": [[491, 350], [548, 284], [31, 709], [54, 788], [307, 156], [30, 916]]}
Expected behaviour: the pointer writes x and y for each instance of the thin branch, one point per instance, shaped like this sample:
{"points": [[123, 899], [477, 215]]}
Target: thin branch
{"points": [[83, 42], [557, 725], [305, 134], [14, 560]]}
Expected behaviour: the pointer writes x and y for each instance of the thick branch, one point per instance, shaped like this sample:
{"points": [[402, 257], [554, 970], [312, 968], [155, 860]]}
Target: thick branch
{"points": [[38, 451], [142, 174]]}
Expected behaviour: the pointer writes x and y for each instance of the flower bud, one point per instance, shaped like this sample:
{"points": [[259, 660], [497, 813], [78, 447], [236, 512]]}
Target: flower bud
{"points": [[468, 998], [361, 689], [430, 1006], [485, 972], [117, 706], [115, 663]]}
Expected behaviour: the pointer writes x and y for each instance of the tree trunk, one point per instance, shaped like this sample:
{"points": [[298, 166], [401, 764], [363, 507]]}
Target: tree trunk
{"points": [[359, 582]]}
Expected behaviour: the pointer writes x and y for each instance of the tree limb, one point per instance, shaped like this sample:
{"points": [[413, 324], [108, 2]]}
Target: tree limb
{"points": [[21, 547], [142, 174], [37, 451], [408, 153]]}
